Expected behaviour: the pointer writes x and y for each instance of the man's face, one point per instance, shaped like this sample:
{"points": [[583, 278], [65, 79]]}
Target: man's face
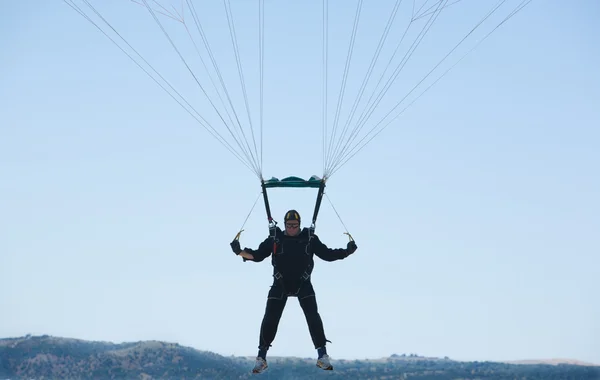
{"points": [[292, 227]]}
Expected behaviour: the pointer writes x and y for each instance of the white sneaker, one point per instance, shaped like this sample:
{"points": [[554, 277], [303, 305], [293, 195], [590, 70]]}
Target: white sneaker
{"points": [[260, 365], [324, 363]]}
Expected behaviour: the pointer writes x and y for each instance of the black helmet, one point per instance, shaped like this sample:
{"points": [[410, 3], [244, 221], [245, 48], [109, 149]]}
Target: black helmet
{"points": [[291, 215]]}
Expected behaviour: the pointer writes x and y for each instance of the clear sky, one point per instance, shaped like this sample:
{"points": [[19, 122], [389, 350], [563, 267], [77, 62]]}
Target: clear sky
{"points": [[476, 212]]}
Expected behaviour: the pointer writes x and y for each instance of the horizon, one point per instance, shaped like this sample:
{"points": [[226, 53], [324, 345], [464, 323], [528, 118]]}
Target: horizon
{"points": [[403, 355]]}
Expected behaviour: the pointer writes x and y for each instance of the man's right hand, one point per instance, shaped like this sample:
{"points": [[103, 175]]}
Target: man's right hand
{"points": [[235, 246]]}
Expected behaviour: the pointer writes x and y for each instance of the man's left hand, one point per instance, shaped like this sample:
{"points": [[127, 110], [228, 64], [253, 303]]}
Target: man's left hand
{"points": [[351, 247]]}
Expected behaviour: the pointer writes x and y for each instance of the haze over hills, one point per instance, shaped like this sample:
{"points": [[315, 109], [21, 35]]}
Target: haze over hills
{"points": [[553, 361], [47, 357]]}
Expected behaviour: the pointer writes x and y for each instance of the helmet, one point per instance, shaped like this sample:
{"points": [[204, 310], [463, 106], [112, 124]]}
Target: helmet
{"points": [[291, 215]]}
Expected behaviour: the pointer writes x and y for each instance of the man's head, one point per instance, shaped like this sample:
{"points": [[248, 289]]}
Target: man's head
{"points": [[292, 222]]}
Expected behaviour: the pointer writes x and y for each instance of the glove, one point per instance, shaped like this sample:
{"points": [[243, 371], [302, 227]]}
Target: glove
{"points": [[351, 247], [235, 246]]}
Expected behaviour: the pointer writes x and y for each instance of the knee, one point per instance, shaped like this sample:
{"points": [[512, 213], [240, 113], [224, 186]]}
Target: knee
{"points": [[273, 311]]}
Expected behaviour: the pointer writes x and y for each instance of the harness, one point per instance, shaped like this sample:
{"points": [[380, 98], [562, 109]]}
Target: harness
{"points": [[279, 277], [303, 278]]}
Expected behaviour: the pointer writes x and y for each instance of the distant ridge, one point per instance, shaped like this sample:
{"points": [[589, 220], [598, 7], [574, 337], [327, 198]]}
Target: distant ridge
{"points": [[48, 357]]}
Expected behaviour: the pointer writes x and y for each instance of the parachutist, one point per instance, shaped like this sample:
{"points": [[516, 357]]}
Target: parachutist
{"points": [[291, 254]]}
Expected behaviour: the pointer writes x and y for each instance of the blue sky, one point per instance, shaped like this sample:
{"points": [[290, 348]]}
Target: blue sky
{"points": [[475, 212]]}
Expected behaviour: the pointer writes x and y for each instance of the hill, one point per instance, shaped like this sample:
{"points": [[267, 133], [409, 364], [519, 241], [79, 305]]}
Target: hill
{"points": [[47, 357]]}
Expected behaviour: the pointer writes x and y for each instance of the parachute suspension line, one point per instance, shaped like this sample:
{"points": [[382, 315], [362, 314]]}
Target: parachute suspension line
{"points": [[248, 152], [247, 216], [520, 7], [369, 111], [165, 12], [357, 127], [249, 162], [356, 149], [241, 76], [325, 72], [208, 49], [339, 217], [211, 56], [515, 11], [345, 77], [261, 48], [342, 158], [427, 12], [443, 59], [256, 170], [369, 72], [203, 122], [420, 9]]}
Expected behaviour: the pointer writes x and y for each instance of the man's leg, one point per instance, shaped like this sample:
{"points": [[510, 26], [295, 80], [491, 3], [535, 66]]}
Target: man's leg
{"points": [[314, 321], [268, 330], [315, 326], [270, 323]]}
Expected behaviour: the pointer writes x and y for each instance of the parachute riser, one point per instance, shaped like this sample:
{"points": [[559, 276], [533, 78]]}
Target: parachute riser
{"points": [[272, 223], [317, 206]]}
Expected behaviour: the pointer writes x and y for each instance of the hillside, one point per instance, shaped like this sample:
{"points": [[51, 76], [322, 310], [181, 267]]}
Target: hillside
{"points": [[46, 357]]}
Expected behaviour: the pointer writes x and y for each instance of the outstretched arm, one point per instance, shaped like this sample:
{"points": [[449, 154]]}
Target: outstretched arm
{"points": [[257, 255], [264, 250], [332, 254], [246, 255]]}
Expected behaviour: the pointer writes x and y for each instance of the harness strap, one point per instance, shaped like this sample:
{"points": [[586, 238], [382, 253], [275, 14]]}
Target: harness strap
{"points": [[278, 275]]}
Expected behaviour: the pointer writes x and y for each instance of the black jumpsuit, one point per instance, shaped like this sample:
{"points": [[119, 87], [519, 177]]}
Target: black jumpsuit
{"points": [[292, 267]]}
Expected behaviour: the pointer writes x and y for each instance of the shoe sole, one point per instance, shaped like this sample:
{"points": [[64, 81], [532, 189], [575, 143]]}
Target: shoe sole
{"points": [[259, 370], [330, 368]]}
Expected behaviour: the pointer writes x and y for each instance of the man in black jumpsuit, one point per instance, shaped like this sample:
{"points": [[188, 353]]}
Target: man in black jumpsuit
{"points": [[292, 267]]}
